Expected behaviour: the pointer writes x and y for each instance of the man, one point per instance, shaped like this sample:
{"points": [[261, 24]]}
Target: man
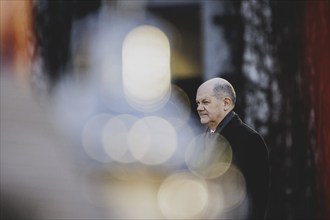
{"points": [[215, 100]]}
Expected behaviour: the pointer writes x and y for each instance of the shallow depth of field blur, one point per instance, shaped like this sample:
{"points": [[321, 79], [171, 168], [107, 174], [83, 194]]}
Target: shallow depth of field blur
{"points": [[98, 113]]}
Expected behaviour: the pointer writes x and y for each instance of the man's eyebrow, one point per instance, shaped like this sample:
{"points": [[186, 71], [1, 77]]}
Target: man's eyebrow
{"points": [[202, 99]]}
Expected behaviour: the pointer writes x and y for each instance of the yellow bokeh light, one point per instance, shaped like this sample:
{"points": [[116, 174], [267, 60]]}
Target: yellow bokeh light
{"points": [[146, 68], [182, 196], [152, 140]]}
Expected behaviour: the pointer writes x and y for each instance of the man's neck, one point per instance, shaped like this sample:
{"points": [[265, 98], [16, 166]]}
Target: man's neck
{"points": [[224, 121]]}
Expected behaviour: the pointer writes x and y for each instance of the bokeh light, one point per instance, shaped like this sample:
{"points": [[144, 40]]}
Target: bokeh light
{"points": [[152, 140], [233, 187], [115, 136], [146, 68], [209, 155], [229, 193], [132, 199], [226, 196], [182, 196], [92, 137]]}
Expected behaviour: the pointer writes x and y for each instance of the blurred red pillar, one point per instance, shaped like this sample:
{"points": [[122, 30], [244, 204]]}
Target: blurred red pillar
{"points": [[317, 74]]}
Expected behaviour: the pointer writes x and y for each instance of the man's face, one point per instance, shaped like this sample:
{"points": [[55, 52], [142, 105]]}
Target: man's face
{"points": [[210, 109]]}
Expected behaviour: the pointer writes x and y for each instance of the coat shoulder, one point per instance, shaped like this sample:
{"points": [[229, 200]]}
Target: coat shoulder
{"points": [[237, 131]]}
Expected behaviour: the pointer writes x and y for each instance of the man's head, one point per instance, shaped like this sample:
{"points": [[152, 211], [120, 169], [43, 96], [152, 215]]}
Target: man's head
{"points": [[215, 98]]}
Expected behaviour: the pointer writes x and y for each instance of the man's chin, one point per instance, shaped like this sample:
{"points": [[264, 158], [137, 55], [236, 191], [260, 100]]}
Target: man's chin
{"points": [[203, 121]]}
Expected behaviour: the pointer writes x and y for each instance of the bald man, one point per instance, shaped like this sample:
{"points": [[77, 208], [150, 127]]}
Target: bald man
{"points": [[215, 100]]}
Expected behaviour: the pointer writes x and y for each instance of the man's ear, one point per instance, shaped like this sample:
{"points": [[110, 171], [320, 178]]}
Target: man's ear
{"points": [[227, 103]]}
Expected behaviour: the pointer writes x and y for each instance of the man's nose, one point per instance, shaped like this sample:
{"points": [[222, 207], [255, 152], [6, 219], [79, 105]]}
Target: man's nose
{"points": [[200, 107]]}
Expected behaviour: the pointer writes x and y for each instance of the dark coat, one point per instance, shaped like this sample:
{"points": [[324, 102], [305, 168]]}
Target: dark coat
{"points": [[250, 155]]}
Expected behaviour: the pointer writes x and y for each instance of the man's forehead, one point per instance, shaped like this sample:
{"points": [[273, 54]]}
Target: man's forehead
{"points": [[205, 89], [203, 96]]}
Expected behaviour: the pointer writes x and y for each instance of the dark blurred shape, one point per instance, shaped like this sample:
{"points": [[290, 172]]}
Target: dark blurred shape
{"points": [[295, 91], [315, 89], [53, 21], [12, 207], [233, 25], [190, 87], [186, 20], [296, 195]]}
